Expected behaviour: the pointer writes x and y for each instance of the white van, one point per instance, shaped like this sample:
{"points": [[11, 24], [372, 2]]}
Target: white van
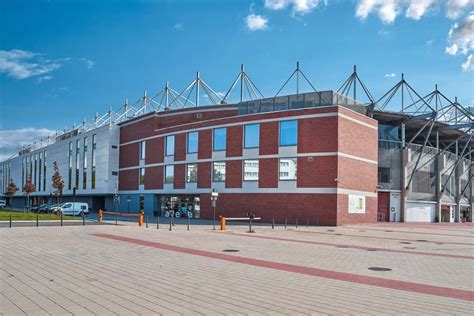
{"points": [[74, 208]]}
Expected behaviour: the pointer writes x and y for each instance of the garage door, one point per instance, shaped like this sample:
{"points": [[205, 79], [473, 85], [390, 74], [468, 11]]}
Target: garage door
{"points": [[420, 212]]}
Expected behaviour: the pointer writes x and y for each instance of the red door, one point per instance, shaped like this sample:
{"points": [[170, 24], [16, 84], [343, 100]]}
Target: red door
{"points": [[383, 207]]}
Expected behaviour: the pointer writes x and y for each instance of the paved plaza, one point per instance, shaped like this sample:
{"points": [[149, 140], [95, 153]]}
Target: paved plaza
{"points": [[416, 269]]}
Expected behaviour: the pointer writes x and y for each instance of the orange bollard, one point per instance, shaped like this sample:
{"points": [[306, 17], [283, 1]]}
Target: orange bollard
{"points": [[140, 219], [223, 226], [101, 215]]}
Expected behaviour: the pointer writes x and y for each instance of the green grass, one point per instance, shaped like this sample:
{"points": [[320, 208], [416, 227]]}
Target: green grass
{"points": [[22, 216]]}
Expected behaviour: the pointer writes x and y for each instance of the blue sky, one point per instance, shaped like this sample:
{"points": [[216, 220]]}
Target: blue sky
{"points": [[61, 61]]}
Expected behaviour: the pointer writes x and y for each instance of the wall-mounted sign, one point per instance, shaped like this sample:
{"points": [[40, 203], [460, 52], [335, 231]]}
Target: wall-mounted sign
{"points": [[356, 204]]}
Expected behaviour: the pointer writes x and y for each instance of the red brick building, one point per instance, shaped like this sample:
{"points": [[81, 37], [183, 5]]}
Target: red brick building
{"points": [[316, 163], [313, 163]]}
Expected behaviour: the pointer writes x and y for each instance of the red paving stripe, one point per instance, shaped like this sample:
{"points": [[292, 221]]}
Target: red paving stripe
{"points": [[328, 274], [355, 247], [386, 238], [410, 232]]}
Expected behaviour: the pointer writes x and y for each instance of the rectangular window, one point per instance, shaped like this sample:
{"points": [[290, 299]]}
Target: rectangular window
{"points": [[169, 174], [94, 146], [288, 133], [169, 145], [218, 171], [142, 150], [142, 175], [384, 175], [219, 139], [251, 170], [288, 168], [78, 149], [192, 142], [191, 172], [252, 136], [40, 168], [36, 163], [44, 170], [84, 165]]}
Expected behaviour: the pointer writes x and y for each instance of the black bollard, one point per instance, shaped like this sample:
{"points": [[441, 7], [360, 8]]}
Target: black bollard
{"points": [[307, 222], [157, 222], [171, 221], [61, 219], [37, 220], [273, 223], [10, 220], [286, 222], [83, 219], [188, 222], [296, 224], [146, 221]]}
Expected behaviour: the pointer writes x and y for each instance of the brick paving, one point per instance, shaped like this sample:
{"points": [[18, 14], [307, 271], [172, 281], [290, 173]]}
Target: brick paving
{"points": [[128, 270]]}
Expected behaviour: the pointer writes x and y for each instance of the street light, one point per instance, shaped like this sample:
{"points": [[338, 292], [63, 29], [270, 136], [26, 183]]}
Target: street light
{"points": [[214, 196]]}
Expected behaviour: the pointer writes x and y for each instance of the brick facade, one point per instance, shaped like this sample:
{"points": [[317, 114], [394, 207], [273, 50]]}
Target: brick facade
{"points": [[336, 155]]}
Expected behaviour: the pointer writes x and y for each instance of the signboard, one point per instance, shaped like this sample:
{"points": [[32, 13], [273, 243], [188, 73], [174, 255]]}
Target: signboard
{"points": [[116, 199], [356, 204], [216, 194]]}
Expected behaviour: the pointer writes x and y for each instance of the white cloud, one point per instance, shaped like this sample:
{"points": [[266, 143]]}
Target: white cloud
{"points": [[89, 63], [429, 42], [461, 40], [256, 22], [11, 141], [297, 6], [20, 64], [469, 64], [390, 75], [179, 26], [416, 9], [44, 78], [388, 10], [456, 8]]}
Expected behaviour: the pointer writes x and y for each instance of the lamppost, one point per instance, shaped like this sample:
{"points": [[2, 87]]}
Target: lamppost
{"points": [[129, 199], [214, 196]]}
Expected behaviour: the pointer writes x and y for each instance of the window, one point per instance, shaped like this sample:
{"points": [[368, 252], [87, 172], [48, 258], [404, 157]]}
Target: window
{"points": [[142, 176], [44, 170], [84, 166], [94, 146], [40, 167], [192, 142], [169, 174], [78, 148], [219, 140], [288, 168], [218, 171], [384, 175], [142, 150], [191, 172], [251, 170], [169, 145], [288, 133], [252, 136]]}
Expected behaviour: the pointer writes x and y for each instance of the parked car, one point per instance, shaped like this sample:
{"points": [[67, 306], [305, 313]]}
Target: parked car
{"points": [[54, 208], [44, 208], [3, 203], [35, 208], [74, 208]]}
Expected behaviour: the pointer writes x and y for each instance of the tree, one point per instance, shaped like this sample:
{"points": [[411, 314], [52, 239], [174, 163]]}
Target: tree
{"points": [[58, 183], [11, 190], [29, 188]]}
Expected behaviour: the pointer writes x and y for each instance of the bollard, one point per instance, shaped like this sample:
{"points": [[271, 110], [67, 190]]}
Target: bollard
{"points": [[188, 222], [10, 220], [157, 222], [37, 220], [286, 221], [61, 219], [140, 219], [171, 220], [296, 223], [317, 221], [250, 225], [83, 219], [101, 215], [307, 222], [146, 220], [223, 223], [273, 223], [116, 219]]}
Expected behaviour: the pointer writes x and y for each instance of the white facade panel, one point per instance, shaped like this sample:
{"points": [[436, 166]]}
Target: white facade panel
{"points": [[420, 212]]}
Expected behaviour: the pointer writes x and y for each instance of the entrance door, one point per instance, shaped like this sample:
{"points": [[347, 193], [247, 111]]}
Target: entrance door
{"points": [[383, 207]]}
